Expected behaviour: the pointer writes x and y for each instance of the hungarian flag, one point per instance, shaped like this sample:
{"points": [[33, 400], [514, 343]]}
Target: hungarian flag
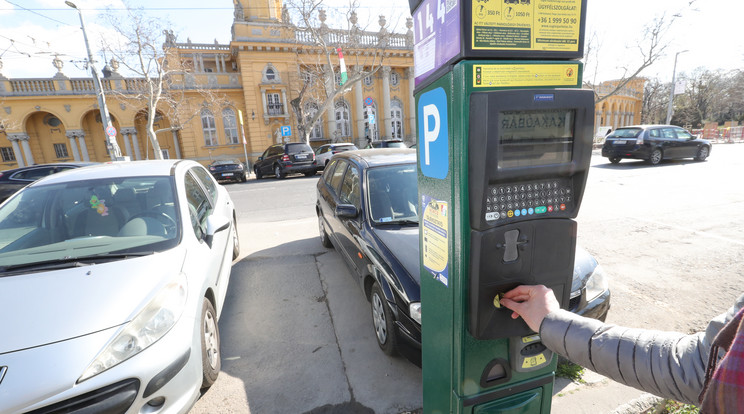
{"points": [[344, 75]]}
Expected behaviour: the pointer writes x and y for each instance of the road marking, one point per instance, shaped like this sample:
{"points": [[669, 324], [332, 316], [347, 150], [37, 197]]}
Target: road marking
{"points": [[697, 232]]}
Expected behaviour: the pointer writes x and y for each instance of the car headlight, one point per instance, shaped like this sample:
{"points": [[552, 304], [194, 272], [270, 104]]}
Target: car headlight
{"points": [[596, 284], [414, 309], [150, 324]]}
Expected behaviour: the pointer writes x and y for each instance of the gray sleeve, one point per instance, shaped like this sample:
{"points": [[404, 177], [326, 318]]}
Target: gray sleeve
{"points": [[668, 364]]}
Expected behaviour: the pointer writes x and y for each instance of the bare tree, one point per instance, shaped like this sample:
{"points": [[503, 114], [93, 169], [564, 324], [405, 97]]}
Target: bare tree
{"points": [[655, 101], [318, 63], [164, 85]]}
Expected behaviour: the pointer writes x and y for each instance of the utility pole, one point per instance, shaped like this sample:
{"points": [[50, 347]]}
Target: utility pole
{"points": [[108, 128], [670, 109]]}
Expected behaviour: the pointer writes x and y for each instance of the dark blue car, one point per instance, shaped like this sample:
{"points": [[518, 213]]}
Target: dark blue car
{"points": [[367, 209]]}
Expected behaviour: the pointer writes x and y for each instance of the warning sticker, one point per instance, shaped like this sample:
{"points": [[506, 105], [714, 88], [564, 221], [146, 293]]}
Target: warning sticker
{"points": [[436, 237], [547, 25], [540, 75]]}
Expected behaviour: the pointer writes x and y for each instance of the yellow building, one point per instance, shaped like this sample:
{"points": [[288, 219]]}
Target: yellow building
{"points": [[258, 74], [622, 108]]}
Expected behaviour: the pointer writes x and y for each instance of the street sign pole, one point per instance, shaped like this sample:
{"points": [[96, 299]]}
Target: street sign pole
{"points": [[242, 130]]}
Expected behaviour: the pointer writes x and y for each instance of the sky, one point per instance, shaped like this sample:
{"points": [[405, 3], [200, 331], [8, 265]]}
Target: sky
{"points": [[708, 33]]}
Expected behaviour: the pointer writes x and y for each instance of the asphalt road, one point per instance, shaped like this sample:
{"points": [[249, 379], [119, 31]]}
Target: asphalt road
{"points": [[296, 330]]}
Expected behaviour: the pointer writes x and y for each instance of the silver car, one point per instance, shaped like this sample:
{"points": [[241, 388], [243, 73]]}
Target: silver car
{"points": [[113, 279]]}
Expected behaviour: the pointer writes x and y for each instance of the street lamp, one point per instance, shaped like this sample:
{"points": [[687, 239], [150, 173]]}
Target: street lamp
{"points": [[671, 94], [108, 129]]}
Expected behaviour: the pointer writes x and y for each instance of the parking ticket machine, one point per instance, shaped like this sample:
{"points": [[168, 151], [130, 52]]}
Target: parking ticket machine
{"points": [[504, 136]]}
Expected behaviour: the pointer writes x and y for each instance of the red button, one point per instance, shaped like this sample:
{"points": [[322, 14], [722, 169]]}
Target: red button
{"points": [[550, 209], [563, 207]]}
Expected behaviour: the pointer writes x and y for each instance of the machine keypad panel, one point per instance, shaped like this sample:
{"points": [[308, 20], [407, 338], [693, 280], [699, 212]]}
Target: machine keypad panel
{"points": [[528, 200]]}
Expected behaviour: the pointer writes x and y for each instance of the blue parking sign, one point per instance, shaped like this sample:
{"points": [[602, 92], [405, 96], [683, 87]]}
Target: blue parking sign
{"points": [[433, 141], [286, 131]]}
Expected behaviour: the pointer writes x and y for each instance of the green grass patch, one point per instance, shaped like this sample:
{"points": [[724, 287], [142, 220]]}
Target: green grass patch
{"points": [[569, 370], [674, 407]]}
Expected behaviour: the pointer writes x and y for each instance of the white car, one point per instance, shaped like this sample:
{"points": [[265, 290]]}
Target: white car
{"points": [[113, 279], [324, 152]]}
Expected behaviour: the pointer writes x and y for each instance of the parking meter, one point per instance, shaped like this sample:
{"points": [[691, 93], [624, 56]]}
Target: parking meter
{"points": [[503, 154]]}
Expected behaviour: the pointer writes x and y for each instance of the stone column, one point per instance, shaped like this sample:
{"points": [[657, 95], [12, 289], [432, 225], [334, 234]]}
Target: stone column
{"points": [[284, 103], [126, 132], [410, 74], [16, 150], [175, 144], [83, 146], [23, 137], [135, 144], [359, 99], [73, 145], [385, 118]]}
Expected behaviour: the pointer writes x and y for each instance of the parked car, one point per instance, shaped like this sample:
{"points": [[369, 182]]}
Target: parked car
{"points": [[17, 178], [654, 143], [389, 143], [118, 274], [367, 209], [282, 159], [228, 170], [324, 153]]}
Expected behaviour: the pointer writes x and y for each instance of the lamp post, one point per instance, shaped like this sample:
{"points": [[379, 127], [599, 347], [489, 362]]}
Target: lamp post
{"points": [[113, 147], [671, 94]]}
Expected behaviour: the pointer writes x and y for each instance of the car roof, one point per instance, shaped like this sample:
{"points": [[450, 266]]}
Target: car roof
{"points": [[116, 169], [647, 126], [375, 157], [51, 164]]}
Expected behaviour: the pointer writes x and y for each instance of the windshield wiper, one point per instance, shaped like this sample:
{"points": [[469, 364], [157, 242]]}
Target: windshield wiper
{"points": [[70, 262], [400, 222]]}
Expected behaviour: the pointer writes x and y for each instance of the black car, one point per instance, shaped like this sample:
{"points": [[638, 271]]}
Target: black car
{"points": [[228, 170], [367, 208], [388, 143], [15, 179], [282, 159], [654, 143]]}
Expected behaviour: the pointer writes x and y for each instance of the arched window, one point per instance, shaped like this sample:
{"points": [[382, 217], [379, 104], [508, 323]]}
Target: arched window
{"points": [[396, 119], [394, 78], [231, 126], [310, 110], [343, 119], [371, 131], [208, 127]]}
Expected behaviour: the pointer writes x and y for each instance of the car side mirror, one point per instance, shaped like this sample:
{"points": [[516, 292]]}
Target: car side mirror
{"points": [[260, 158], [215, 224], [346, 211]]}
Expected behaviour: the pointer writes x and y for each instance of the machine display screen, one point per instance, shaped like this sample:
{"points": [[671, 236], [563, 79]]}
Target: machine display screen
{"points": [[529, 138]]}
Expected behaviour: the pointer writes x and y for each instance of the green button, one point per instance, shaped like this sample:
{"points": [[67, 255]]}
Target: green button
{"points": [[541, 210]]}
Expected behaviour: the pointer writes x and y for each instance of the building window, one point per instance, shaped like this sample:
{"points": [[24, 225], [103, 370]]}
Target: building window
{"points": [[396, 120], [208, 127], [7, 154], [270, 75], [394, 78], [310, 110], [343, 120], [274, 104], [60, 150], [368, 81], [231, 126]]}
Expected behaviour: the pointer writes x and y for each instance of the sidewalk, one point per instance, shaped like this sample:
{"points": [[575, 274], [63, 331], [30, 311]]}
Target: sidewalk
{"points": [[599, 394]]}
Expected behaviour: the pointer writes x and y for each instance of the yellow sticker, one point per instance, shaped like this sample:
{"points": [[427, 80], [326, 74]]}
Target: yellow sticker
{"points": [[535, 361], [492, 76], [541, 25], [436, 240]]}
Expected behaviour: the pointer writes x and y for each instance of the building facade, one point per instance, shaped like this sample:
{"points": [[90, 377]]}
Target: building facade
{"points": [[620, 109], [257, 75]]}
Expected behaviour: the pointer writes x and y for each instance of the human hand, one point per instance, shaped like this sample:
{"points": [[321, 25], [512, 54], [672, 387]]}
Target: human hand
{"points": [[532, 303]]}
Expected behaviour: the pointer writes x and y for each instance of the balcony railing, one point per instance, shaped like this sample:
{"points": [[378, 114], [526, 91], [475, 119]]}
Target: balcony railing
{"points": [[275, 109]]}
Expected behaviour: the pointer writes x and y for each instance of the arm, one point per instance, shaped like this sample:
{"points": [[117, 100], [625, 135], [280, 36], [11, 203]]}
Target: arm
{"points": [[667, 364]]}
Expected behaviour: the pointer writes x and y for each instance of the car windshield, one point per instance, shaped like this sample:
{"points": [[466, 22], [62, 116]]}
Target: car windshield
{"points": [[396, 145], [87, 221], [342, 148], [392, 192], [625, 133], [225, 162], [295, 148]]}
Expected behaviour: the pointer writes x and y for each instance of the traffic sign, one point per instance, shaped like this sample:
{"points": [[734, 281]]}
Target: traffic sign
{"points": [[111, 131], [432, 135], [286, 130], [368, 101], [372, 119]]}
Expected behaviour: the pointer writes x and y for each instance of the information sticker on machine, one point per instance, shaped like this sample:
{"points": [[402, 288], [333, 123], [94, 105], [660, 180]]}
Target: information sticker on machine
{"points": [[435, 238]]}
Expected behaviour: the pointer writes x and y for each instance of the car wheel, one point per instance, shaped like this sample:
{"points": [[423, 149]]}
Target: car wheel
{"points": [[382, 318], [244, 177], [615, 160], [324, 239], [656, 156], [236, 241], [702, 153], [257, 171], [210, 345], [310, 173], [278, 172]]}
